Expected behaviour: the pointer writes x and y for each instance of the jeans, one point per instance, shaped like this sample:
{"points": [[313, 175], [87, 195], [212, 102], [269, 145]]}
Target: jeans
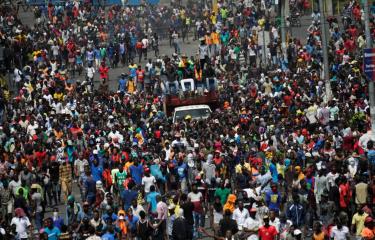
{"points": [[1, 115], [56, 192], [38, 220], [177, 49], [198, 222]]}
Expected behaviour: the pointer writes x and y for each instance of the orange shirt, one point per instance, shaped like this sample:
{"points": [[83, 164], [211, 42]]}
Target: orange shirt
{"points": [[215, 38], [208, 39], [368, 233], [319, 236]]}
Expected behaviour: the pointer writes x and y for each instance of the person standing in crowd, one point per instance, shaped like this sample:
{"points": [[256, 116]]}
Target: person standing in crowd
{"points": [[65, 177], [22, 224]]}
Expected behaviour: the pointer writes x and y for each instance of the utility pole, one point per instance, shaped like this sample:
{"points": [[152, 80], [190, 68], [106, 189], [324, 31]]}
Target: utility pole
{"points": [[264, 58], [282, 6], [325, 53], [371, 88]]}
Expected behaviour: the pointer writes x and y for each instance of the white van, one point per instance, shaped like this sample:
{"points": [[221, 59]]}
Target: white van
{"points": [[194, 111]]}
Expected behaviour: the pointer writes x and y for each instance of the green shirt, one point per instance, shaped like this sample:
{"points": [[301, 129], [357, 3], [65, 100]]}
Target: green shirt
{"points": [[120, 178], [224, 13], [222, 194]]}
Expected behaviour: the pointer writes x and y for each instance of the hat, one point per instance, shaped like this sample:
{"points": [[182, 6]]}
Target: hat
{"points": [[95, 152], [71, 198], [266, 217], [368, 219], [99, 184], [297, 232]]}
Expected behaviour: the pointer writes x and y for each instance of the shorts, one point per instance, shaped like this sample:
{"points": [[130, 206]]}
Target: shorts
{"points": [[66, 186]]}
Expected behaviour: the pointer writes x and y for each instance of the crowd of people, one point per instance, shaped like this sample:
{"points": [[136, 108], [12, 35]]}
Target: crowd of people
{"points": [[277, 158]]}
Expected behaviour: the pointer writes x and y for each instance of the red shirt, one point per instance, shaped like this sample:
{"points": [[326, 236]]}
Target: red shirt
{"points": [[288, 100], [140, 75], [267, 233], [352, 32], [40, 156], [103, 72], [344, 195]]}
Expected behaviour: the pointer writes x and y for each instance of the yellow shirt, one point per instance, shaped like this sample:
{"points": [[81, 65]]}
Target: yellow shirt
{"points": [[359, 222], [131, 87], [215, 38], [213, 19]]}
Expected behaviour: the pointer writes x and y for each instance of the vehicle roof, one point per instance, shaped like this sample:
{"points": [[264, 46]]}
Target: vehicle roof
{"points": [[192, 107]]}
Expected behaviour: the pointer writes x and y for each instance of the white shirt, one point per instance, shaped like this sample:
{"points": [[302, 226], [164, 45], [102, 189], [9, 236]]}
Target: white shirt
{"points": [[253, 225], [339, 234], [21, 226], [148, 182], [17, 75], [31, 129], [13, 185], [57, 106], [137, 210], [79, 165], [90, 72], [240, 217], [195, 197], [144, 43], [276, 224], [94, 238]]}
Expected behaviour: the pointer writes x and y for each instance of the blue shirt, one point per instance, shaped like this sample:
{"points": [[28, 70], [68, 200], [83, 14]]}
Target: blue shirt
{"points": [[53, 234], [274, 173], [121, 85], [58, 222], [156, 172], [151, 199], [273, 200], [136, 173], [97, 53], [90, 186], [371, 156], [108, 236], [105, 217], [133, 222], [181, 170], [96, 172], [128, 196]]}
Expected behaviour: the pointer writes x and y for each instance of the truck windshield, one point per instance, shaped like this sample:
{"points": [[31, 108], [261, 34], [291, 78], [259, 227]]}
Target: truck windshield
{"points": [[194, 113]]}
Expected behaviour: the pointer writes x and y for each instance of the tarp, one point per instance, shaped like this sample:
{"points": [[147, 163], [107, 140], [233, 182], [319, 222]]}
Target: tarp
{"points": [[134, 2], [153, 2]]}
